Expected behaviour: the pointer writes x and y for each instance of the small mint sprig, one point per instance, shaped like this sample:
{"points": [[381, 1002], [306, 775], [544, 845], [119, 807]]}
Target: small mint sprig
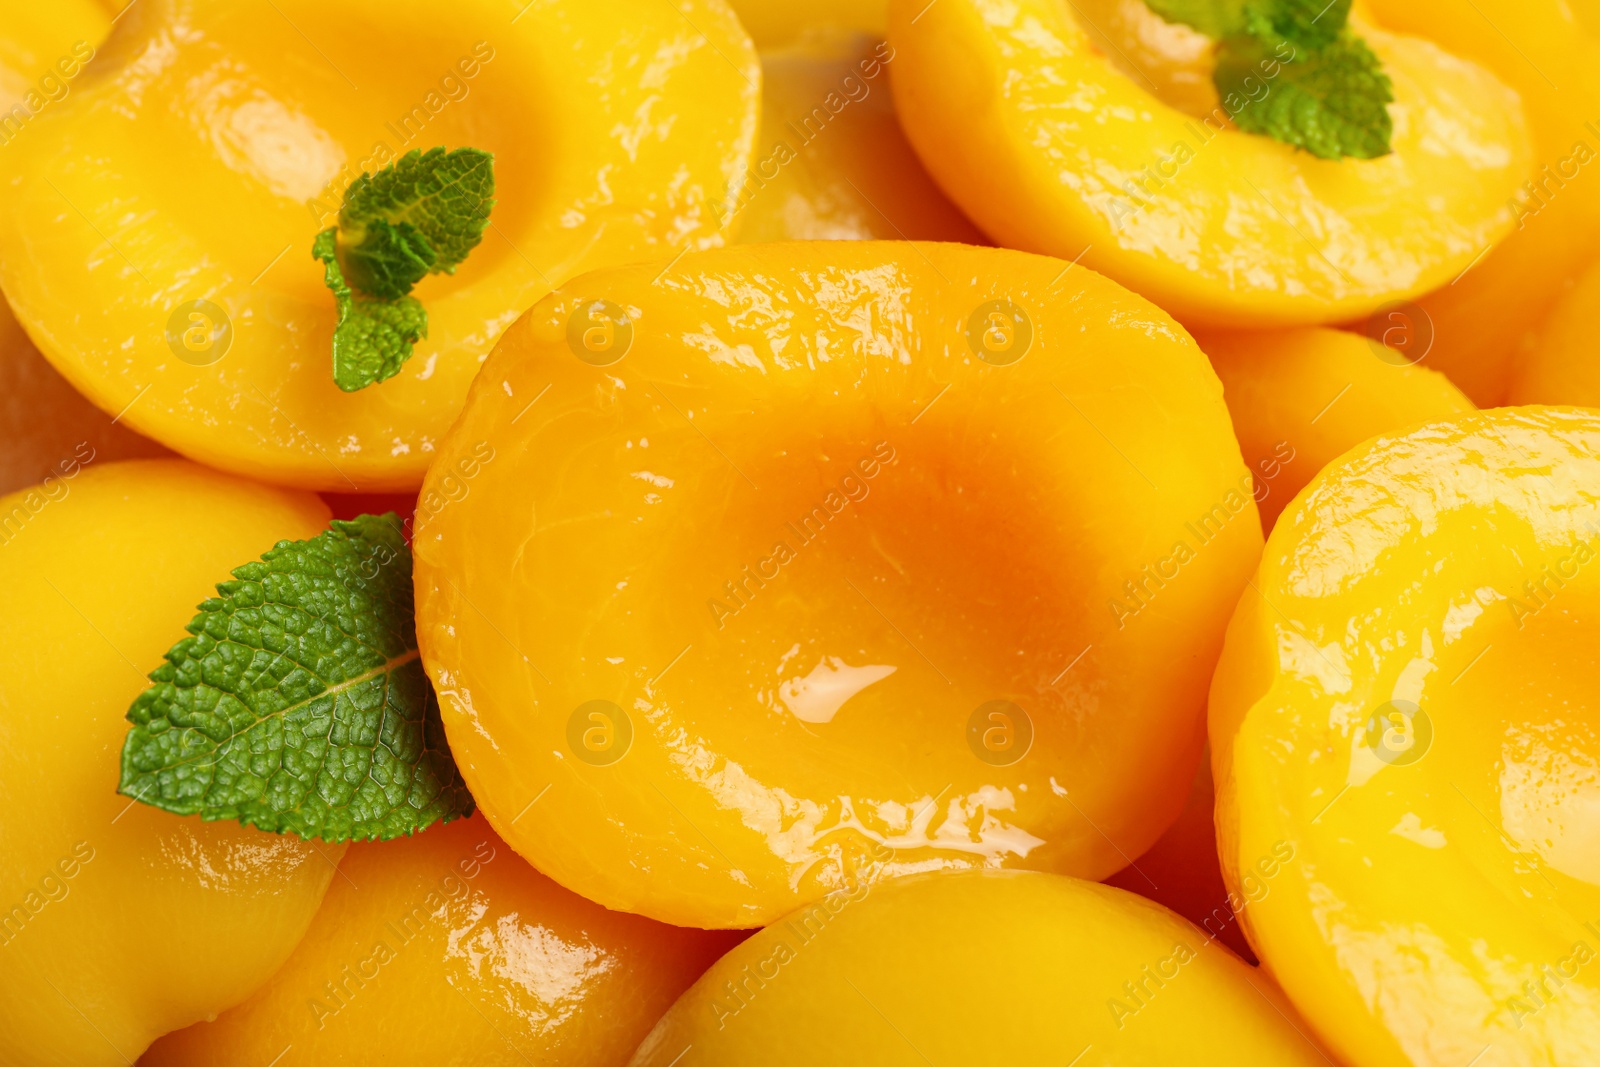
{"points": [[298, 704], [421, 215], [1324, 89]]}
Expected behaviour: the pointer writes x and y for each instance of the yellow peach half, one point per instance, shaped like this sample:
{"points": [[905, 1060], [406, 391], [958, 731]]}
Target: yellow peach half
{"points": [[802, 565], [121, 922], [1300, 398], [448, 948], [1049, 147], [157, 237], [46, 425], [1488, 318], [980, 967], [831, 162], [1407, 698]]}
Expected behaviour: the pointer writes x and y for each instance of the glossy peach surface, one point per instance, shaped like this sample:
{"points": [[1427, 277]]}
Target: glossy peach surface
{"points": [[214, 141], [800, 537], [1588, 13], [1489, 318], [833, 494], [48, 426], [1181, 870], [831, 162], [1029, 127], [43, 47], [1561, 367], [984, 967], [119, 922], [44, 422], [1301, 398], [780, 23], [446, 948], [1170, 59], [1407, 698]]}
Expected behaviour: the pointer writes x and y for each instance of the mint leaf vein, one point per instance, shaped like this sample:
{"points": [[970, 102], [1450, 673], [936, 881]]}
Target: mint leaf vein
{"points": [[299, 703], [427, 210]]}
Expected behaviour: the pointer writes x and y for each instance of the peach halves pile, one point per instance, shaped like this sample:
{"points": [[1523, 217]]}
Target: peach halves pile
{"points": [[732, 532]]}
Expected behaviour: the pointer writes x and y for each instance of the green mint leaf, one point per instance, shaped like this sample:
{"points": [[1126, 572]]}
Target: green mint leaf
{"points": [[1214, 18], [421, 214], [390, 259], [299, 703], [1292, 70], [373, 338], [1331, 101], [1307, 23], [1304, 23]]}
